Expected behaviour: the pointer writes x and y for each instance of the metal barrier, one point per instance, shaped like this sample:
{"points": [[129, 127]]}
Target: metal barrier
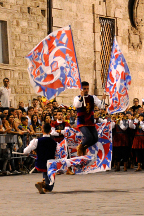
{"points": [[10, 138]]}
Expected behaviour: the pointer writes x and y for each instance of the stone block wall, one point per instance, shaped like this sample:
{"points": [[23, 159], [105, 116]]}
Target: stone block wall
{"points": [[27, 27]]}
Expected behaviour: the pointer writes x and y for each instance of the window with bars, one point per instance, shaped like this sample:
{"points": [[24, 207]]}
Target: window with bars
{"points": [[107, 32]]}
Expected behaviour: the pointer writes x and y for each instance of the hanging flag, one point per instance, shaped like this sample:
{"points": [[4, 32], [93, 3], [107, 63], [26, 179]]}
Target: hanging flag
{"points": [[53, 66], [118, 81]]}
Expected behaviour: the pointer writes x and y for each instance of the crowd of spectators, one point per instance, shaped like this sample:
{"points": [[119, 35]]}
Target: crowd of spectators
{"points": [[26, 123]]}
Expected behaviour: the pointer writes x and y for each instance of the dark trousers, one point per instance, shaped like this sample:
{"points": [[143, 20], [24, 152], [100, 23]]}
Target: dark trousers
{"points": [[90, 135], [140, 155], [47, 181], [121, 152]]}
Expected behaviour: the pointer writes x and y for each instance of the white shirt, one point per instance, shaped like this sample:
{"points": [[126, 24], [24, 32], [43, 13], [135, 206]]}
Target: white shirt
{"points": [[5, 96], [33, 145], [79, 104], [29, 121], [53, 131]]}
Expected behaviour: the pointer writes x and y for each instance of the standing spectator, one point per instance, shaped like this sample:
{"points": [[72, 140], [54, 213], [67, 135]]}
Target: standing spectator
{"points": [[35, 126], [5, 92], [59, 127], [5, 113], [120, 141], [55, 104], [35, 103], [30, 112], [136, 104], [44, 114], [138, 142], [47, 119], [21, 106], [36, 111]]}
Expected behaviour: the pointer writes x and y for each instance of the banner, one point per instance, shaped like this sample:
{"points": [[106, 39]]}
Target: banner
{"points": [[98, 156], [53, 66], [118, 81]]}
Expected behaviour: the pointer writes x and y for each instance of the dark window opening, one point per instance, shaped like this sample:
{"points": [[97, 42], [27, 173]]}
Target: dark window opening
{"points": [[1, 4], [106, 38], [131, 12], [4, 54], [43, 12], [29, 10]]}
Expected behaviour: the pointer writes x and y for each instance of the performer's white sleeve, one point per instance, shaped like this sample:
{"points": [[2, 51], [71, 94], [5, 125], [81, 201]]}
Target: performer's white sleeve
{"points": [[97, 102], [53, 132], [132, 125], [77, 102], [142, 125], [122, 126], [113, 124], [100, 120], [63, 131], [32, 145]]}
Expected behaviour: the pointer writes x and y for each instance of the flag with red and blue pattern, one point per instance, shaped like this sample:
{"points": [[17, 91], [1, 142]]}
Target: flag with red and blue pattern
{"points": [[98, 156], [118, 81], [53, 66]]}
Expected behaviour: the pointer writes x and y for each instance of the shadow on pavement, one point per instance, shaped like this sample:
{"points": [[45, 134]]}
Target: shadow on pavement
{"points": [[89, 191]]}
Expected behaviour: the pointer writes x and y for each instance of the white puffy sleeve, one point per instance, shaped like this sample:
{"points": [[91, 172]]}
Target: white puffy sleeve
{"points": [[97, 102], [78, 101], [132, 125], [122, 126], [32, 145]]}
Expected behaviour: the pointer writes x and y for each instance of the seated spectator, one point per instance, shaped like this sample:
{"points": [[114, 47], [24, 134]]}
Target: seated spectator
{"points": [[35, 126], [136, 104]]}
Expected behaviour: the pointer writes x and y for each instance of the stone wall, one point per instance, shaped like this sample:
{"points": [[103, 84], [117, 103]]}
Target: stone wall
{"points": [[27, 26], [131, 41]]}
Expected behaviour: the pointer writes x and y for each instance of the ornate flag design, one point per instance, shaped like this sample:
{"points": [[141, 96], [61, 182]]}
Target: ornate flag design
{"points": [[118, 81], [53, 64], [98, 156]]}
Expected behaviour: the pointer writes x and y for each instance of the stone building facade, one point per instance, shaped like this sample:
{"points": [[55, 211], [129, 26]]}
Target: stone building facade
{"points": [[26, 22]]}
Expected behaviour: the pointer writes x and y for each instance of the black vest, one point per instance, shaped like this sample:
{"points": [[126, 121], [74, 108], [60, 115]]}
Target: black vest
{"points": [[45, 150]]}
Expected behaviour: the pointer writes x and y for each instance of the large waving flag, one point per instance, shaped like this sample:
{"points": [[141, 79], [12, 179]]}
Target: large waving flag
{"points": [[118, 81], [53, 64], [98, 156]]}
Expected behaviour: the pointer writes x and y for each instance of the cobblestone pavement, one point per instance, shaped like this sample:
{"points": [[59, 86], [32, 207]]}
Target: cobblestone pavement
{"points": [[106, 193]]}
